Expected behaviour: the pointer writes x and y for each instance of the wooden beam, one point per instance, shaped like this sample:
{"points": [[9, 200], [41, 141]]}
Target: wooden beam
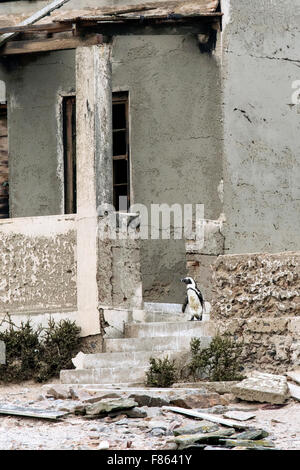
{"points": [[44, 45], [34, 18]]}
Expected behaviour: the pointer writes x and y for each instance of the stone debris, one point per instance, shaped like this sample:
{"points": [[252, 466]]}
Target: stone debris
{"points": [[294, 391], [201, 438], [239, 415], [30, 412], [246, 443], [203, 427], [208, 417], [108, 405], [104, 445], [120, 423], [263, 388], [217, 387], [294, 376]]}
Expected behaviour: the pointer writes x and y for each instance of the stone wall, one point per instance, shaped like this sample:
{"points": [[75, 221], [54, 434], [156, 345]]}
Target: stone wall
{"points": [[257, 300]]}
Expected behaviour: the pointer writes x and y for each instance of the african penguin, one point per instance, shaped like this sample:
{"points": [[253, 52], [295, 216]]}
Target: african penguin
{"points": [[194, 299]]}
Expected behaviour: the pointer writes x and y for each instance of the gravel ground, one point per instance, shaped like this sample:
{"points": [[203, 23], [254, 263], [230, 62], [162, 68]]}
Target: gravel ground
{"points": [[75, 432]]}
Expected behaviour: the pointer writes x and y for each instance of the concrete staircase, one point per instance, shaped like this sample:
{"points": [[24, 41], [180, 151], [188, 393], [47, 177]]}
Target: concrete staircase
{"points": [[165, 331]]}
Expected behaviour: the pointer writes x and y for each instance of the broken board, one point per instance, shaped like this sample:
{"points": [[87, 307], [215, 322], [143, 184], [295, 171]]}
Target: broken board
{"points": [[207, 417], [31, 412]]}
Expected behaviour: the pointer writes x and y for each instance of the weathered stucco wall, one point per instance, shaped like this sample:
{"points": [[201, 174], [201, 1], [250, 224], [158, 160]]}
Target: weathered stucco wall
{"points": [[34, 88], [175, 137], [176, 140], [261, 59], [257, 301], [37, 266]]}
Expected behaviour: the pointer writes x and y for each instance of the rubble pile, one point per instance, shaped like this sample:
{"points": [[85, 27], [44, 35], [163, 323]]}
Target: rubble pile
{"points": [[89, 417]]}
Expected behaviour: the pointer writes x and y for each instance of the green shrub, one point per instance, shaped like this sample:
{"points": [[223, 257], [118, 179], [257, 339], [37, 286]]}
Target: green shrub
{"points": [[162, 373], [219, 362], [38, 354]]}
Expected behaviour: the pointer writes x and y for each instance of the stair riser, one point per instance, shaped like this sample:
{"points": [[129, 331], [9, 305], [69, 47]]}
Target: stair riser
{"points": [[103, 376], [152, 344], [124, 359], [184, 329]]}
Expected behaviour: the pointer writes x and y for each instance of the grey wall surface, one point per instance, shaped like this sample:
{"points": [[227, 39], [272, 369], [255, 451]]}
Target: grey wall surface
{"points": [[176, 136], [176, 140], [261, 60], [34, 86]]}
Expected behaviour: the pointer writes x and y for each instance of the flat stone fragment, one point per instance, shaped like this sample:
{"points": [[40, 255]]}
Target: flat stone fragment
{"points": [[2, 353], [202, 438], [294, 375], [203, 427], [208, 417], [246, 443], [31, 412], [264, 388], [108, 405], [252, 435], [239, 415], [294, 391]]}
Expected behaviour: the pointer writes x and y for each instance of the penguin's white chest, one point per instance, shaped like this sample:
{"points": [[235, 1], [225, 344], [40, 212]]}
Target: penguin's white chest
{"points": [[194, 302]]}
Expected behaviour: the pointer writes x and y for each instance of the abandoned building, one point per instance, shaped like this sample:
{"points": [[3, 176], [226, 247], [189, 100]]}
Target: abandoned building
{"points": [[185, 102]]}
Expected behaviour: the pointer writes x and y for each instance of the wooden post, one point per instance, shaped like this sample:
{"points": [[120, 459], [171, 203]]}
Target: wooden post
{"points": [[94, 170]]}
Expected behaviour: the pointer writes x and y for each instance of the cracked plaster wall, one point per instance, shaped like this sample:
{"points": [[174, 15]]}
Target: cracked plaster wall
{"points": [[261, 60]]}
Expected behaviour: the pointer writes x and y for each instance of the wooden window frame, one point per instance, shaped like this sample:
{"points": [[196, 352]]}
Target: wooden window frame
{"points": [[122, 98], [4, 193], [69, 152]]}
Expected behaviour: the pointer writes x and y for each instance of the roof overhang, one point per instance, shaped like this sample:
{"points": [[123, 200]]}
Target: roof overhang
{"points": [[70, 29]]}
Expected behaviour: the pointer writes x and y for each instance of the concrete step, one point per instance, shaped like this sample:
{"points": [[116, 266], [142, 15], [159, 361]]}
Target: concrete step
{"points": [[104, 375], [130, 359], [153, 317], [162, 307], [146, 330], [158, 343]]}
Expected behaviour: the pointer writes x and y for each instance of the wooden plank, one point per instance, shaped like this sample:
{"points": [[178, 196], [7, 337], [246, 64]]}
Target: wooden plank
{"points": [[31, 412], [34, 18], [48, 27], [207, 417], [43, 45], [202, 7]]}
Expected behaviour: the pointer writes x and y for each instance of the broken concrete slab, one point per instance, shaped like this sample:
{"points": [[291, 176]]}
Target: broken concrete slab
{"points": [[264, 388], [294, 391], [218, 387], [31, 412], [207, 417], [294, 375], [2, 353], [239, 415]]}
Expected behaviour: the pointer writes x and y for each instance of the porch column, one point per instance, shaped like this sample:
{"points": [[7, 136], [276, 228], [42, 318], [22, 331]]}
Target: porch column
{"points": [[94, 171]]}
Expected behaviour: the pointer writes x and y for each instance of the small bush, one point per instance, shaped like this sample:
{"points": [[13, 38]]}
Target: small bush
{"points": [[162, 373], [219, 362], [38, 354]]}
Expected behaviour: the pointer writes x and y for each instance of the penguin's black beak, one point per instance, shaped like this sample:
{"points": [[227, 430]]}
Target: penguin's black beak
{"points": [[183, 280]]}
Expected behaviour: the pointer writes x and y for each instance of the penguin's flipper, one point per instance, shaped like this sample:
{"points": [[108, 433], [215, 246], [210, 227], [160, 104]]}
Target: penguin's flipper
{"points": [[185, 304]]}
